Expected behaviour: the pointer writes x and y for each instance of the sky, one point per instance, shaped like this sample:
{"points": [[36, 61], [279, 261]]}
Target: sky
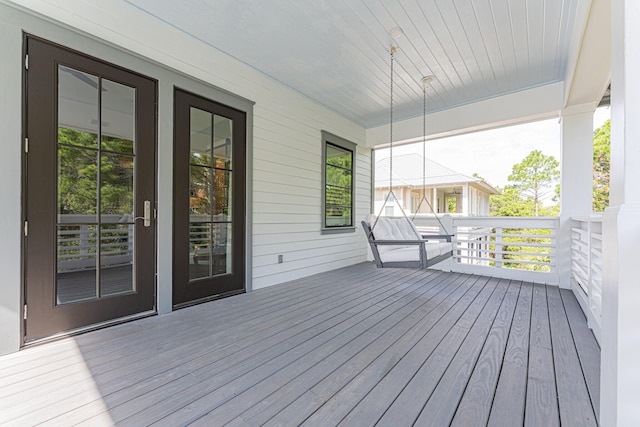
{"points": [[492, 154]]}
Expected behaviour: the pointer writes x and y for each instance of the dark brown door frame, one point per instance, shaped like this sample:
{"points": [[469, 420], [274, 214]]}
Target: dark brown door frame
{"points": [[45, 319], [185, 293]]}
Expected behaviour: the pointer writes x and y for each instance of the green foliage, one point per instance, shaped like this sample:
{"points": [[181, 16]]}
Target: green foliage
{"points": [[78, 174], [203, 169], [451, 205], [534, 175], [524, 240], [510, 203], [338, 190], [475, 175], [601, 166], [530, 178]]}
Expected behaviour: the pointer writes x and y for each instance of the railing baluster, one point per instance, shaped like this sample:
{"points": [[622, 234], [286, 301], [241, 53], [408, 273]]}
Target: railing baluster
{"points": [[481, 245], [498, 250]]}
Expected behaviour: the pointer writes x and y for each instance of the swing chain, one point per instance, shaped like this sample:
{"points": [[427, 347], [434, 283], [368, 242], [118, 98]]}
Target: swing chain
{"points": [[392, 51]]}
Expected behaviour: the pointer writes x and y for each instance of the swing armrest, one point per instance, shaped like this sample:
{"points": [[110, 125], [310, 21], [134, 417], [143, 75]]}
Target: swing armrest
{"points": [[400, 242], [446, 237]]}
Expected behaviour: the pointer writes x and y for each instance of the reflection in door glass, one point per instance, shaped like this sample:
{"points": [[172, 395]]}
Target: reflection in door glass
{"points": [[95, 253], [77, 252], [116, 188], [200, 253], [78, 107], [116, 254], [221, 252], [118, 106], [201, 137], [77, 183], [222, 141], [199, 191], [209, 194]]}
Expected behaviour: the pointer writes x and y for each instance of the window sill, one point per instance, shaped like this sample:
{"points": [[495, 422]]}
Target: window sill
{"points": [[337, 230]]}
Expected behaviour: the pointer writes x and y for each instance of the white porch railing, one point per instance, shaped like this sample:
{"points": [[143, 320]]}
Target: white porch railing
{"points": [[522, 248], [77, 245], [586, 267]]}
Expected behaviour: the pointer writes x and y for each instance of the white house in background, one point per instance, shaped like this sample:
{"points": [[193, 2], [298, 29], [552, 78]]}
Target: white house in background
{"points": [[441, 184]]}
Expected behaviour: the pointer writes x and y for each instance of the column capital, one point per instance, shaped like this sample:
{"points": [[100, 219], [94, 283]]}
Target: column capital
{"points": [[573, 110]]}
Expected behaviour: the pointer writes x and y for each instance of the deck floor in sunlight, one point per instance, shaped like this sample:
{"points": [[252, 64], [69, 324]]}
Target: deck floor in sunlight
{"points": [[356, 347]]}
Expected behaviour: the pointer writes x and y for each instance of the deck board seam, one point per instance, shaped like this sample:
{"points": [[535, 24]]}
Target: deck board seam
{"points": [[408, 296]]}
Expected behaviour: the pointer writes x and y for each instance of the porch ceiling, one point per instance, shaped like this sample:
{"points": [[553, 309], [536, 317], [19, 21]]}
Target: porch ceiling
{"points": [[336, 52]]}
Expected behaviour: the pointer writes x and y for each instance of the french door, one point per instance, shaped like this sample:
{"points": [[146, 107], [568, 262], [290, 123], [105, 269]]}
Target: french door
{"points": [[209, 200], [90, 192]]}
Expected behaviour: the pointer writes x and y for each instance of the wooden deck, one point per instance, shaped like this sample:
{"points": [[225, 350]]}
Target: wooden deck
{"points": [[356, 347]]}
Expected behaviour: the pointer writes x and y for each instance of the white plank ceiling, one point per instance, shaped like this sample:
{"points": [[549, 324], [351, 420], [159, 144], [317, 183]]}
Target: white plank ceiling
{"points": [[337, 51]]}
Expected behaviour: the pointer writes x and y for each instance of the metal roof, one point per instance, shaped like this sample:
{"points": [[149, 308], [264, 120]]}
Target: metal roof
{"points": [[407, 171]]}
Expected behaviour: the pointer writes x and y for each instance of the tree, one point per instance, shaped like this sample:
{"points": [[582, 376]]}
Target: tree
{"points": [[601, 166], [78, 174], [534, 175], [510, 203], [477, 176], [338, 186], [451, 205]]}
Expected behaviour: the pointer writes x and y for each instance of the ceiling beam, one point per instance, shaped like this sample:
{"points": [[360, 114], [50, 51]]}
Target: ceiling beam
{"points": [[589, 78], [529, 105]]}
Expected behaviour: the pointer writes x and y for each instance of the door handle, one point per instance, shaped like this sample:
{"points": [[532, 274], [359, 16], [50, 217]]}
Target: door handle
{"points": [[147, 214]]}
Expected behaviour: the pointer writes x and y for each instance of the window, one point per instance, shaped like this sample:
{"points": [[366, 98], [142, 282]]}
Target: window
{"points": [[337, 183]]}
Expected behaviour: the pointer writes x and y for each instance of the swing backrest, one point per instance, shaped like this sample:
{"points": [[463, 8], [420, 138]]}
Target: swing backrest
{"points": [[394, 229]]}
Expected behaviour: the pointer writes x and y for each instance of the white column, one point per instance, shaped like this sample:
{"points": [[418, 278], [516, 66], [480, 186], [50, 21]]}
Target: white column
{"points": [[620, 357], [465, 199], [576, 177], [434, 202]]}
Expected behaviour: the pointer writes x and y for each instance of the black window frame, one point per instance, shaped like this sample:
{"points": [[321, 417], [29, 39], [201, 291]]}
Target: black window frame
{"points": [[341, 143]]}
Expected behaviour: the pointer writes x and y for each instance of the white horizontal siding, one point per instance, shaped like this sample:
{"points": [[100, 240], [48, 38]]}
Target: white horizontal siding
{"points": [[287, 169], [287, 215]]}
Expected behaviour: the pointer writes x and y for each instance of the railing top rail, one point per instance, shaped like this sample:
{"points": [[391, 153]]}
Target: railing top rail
{"points": [[596, 217], [502, 221]]}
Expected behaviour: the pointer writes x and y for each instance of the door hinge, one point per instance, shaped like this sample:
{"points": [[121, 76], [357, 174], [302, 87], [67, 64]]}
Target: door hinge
{"points": [[155, 213], [26, 61], [26, 145], [24, 313], [26, 228]]}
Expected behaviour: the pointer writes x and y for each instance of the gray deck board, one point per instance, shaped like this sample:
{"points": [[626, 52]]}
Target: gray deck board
{"points": [[342, 339], [258, 406], [510, 397], [407, 406], [355, 346], [355, 384], [215, 356], [372, 342], [476, 401], [573, 396], [587, 346], [112, 360], [443, 402], [369, 410], [542, 399]]}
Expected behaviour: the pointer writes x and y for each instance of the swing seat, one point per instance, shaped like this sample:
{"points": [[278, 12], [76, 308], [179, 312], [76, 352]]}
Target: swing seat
{"points": [[396, 244]]}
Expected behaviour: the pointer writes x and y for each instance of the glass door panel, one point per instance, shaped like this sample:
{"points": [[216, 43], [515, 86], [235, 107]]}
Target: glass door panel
{"points": [[94, 178], [209, 194]]}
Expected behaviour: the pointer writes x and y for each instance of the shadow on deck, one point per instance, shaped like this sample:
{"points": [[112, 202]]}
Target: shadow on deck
{"points": [[354, 346]]}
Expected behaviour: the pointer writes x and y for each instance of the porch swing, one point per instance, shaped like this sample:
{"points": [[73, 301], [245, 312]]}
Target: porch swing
{"points": [[397, 243]]}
